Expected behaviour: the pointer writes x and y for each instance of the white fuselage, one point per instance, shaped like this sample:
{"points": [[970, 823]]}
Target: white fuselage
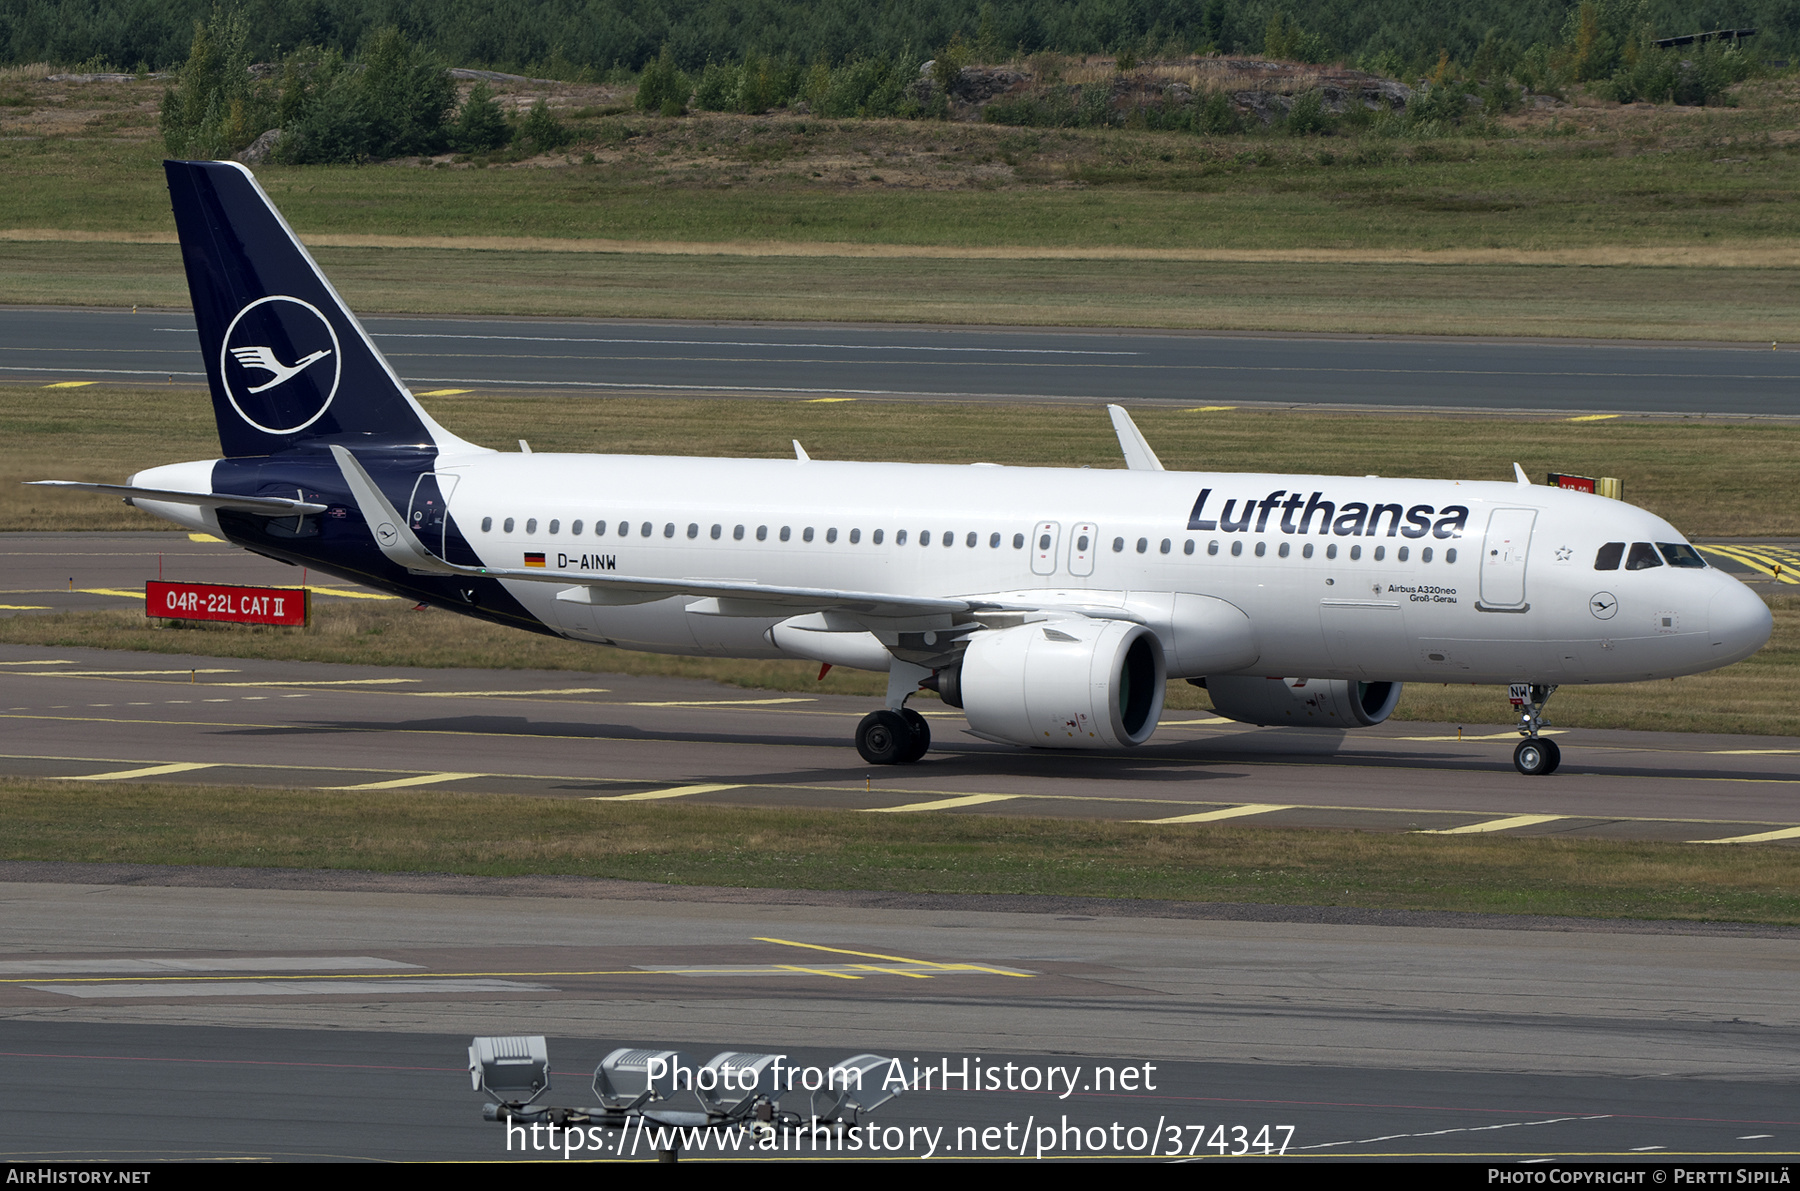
{"points": [[1454, 582]]}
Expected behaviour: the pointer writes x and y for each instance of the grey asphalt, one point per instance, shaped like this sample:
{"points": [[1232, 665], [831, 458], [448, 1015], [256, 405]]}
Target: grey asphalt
{"points": [[342, 1032], [968, 363], [219, 1014], [79, 712]]}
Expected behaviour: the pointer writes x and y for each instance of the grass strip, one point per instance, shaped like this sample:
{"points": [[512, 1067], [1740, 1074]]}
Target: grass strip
{"points": [[501, 835], [1689, 302], [1707, 477]]}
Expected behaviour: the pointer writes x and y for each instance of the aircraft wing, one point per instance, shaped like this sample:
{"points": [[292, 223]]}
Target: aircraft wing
{"points": [[277, 505]]}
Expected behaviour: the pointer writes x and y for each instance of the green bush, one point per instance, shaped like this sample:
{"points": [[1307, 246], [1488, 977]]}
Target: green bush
{"points": [[542, 131], [480, 126], [215, 110], [662, 87]]}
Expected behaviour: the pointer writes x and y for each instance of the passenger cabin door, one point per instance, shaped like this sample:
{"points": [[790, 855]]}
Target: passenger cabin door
{"points": [[1503, 560], [429, 513], [1044, 541]]}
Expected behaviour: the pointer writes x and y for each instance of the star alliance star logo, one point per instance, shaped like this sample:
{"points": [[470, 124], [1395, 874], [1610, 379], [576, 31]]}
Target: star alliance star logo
{"points": [[1564, 554]]}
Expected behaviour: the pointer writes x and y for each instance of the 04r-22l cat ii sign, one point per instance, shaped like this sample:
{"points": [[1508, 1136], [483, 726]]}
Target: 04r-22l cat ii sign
{"points": [[1050, 605]]}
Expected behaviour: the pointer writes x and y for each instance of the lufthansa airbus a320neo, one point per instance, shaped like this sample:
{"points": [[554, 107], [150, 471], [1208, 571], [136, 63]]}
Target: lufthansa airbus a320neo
{"points": [[1050, 605]]}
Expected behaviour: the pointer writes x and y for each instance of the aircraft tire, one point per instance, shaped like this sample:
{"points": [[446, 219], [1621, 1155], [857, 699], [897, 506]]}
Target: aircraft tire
{"points": [[921, 735], [884, 738], [1536, 758]]}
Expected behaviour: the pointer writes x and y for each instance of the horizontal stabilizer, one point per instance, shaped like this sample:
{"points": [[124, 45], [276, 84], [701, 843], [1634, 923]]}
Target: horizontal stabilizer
{"points": [[274, 505]]}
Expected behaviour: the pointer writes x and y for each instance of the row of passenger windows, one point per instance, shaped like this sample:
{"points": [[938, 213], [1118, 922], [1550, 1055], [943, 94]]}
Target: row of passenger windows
{"points": [[948, 538], [647, 529], [1403, 554], [1643, 556]]}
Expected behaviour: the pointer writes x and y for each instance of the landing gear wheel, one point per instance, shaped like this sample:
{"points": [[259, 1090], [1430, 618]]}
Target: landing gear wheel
{"points": [[884, 738], [921, 735], [1535, 758]]}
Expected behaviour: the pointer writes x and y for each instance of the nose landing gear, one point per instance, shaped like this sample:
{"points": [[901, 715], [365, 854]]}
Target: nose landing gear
{"points": [[1535, 756]]}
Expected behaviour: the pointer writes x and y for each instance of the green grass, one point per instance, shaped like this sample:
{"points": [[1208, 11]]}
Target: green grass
{"points": [[768, 848], [1596, 301], [711, 179], [1571, 224], [1709, 478]]}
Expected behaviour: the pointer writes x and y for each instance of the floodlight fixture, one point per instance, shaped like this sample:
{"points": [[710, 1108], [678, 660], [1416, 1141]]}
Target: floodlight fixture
{"points": [[733, 1080], [631, 1077], [514, 1069], [856, 1085]]}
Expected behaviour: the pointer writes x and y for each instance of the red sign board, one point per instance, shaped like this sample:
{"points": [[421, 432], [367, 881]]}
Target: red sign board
{"points": [[213, 601], [1577, 483]]}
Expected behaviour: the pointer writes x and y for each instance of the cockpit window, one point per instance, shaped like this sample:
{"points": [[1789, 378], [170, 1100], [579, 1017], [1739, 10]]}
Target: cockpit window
{"points": [[1642, 557], [1680, 554], [1609, 556]]}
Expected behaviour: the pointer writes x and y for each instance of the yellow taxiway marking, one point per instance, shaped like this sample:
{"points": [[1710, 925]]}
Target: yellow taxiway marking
{"points": [[122, 673], [424, 779], [1208, 409], [205, 537], [1593, 417], [1487, 736], [671, 792], [1753, 752], [817, 971], [307, 682], [1494, 825], [714, 703], [892, 971], [1217, 719], [1776, 563], [24, 607], [825, 400], [71, 384], [896, 959], [1758, 838], [442, 392], [943, 804], [146, 771], [1230, 812], [562, 690], [111, 591]]}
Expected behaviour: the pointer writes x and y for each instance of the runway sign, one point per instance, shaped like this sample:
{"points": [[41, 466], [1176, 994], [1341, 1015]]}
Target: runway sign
{"points": [[240, 605]]}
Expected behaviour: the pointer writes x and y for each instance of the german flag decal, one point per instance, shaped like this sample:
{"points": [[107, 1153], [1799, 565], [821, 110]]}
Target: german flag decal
{"points": [[534, 560]]}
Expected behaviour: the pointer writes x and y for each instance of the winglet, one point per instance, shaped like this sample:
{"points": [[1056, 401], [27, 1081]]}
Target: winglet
{"points": [[385, 522], [1520, 472], [1138, 455], [800, 455]]}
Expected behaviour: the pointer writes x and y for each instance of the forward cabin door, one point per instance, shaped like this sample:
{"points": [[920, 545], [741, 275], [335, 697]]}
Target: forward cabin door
{"points": [[1503, 559]]}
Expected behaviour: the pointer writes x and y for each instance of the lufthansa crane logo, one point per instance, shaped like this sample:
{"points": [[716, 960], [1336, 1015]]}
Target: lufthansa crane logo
{"points": [[280, 364]]}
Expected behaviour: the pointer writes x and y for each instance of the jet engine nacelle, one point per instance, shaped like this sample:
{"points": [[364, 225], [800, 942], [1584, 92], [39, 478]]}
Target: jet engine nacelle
{"points": [[1065, 684], [1303, 702]]}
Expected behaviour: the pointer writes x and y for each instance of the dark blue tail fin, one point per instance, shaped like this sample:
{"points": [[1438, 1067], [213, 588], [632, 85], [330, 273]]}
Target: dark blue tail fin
{"points": [[287, 361]]}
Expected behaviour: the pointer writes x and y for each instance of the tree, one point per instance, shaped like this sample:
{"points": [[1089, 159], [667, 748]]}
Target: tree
{"points": [[481, 127]]}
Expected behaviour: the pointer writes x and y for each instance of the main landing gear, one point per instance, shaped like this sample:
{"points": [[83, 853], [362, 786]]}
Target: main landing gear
{"points": [[893, 737], [896, 735], [1535, 755]]}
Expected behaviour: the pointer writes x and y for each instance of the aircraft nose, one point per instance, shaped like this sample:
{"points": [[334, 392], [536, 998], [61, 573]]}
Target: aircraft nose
{"points": [[1739, 622]]}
